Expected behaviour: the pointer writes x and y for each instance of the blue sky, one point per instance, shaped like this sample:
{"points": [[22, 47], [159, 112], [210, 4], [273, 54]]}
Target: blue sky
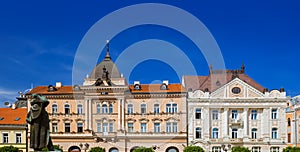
{"points": [[39, 41]]}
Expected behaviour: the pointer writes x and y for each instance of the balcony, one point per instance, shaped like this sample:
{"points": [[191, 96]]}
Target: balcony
{"points": [[236, 122]]}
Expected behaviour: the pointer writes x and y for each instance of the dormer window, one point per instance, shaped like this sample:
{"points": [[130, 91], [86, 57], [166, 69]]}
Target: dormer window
{"points": [[51, 88], [164, 87], [137, 87], [76, 88]]}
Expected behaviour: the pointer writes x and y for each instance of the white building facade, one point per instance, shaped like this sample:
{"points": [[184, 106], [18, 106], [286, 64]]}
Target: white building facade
{"points": [[228, 109]]}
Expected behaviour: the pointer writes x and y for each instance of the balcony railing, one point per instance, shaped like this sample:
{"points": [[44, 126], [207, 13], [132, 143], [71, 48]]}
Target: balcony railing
{"points": [[238, 122]]}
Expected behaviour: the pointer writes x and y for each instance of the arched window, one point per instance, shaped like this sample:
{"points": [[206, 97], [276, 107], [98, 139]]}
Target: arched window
{"points": [[254, 133], [289, 121], [67, 109], [198, 133], [129, 108], [104, 108], [215, 133], [98, 108], [111, 108], [143, 109], [79, 109], [274, 133], [54, 108], [234, 133]]}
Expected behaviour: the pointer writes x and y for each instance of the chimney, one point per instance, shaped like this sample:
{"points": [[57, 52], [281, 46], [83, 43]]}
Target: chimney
{"points": [[58, 84], [166, 82], [136, 82]]}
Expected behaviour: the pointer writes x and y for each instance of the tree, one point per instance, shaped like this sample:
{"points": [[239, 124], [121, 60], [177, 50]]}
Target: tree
{"points": [[291, 149], [143, 149], [97, 149], [9, 149], [193, 149], [240, 149], [56, 147]]}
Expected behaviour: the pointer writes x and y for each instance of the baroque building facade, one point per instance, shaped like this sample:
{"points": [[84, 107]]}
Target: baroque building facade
{"points": [[107, 112], [227, 108]]}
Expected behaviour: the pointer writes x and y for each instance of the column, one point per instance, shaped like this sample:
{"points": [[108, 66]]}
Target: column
{"points": [[206, 126], [87, 113], [246, 124], [265, 123], [225, 124], [123, 113], [90, 113], [119, 113]]}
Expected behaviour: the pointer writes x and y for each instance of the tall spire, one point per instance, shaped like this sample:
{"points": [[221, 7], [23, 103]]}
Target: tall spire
{"points": [[107, 56]]}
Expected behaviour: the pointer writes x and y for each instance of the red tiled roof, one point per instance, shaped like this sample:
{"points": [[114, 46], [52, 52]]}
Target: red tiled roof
{"points": [[210, 82], [155, 88], [8, 116], [44, 90]]}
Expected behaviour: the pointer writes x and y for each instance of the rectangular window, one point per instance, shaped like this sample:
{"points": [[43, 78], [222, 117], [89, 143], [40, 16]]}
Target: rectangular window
{"points": [[198, 113], [18, 138], [130, 127], [130, 109], [234, 114], [289, 137], [256, 149], [253, 114], [54, 127], [274, 114], [274, 133], [99, 127], [79, 127], [156, 108], [234, 133], [79, 109], [171, 127], [174, 108], [105, 128], [216, 149], [168, 108], [67, 127], [215, 114], [198, 133], [143, 127], [5, 138], [111, 127], [254, 133], [168, 127], [156, 127], [143, 109]]}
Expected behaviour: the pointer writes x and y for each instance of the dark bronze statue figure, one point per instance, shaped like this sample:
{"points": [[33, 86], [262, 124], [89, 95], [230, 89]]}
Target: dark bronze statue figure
{"points": [[38, 119]]}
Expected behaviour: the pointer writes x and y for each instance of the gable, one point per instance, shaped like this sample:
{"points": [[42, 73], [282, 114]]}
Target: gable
{"points": [[237, 89]]}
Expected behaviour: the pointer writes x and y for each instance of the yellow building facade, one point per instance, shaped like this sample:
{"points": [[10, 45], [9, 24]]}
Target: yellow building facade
{"points": [[13, 127]]}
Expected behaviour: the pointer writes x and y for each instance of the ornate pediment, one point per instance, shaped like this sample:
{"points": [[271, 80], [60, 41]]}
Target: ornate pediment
{"points": [[237, 89]]}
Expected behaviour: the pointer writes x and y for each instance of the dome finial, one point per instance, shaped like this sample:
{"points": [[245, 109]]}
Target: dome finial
{"points": [[107, 56]]}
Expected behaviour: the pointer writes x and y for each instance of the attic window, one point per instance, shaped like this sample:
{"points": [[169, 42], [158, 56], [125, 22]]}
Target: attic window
{"points": [[1, 118], [17, 119], [218, 83], [137, 87], [163, 87], [51, 88], [76, 88]]}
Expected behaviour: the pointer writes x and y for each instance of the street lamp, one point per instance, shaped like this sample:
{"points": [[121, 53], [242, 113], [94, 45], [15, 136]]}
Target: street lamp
{"points": [[226, 148]]}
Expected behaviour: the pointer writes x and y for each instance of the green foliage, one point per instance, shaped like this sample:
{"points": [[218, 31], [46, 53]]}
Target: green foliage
{"points": [[240, 149], [56, 147], [97, 149], [193, 149], [291, 149], [143, 149], [9, 149]]}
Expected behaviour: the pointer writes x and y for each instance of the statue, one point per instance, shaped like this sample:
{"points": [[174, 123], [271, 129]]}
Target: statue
{"points": [[38, 119]]}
